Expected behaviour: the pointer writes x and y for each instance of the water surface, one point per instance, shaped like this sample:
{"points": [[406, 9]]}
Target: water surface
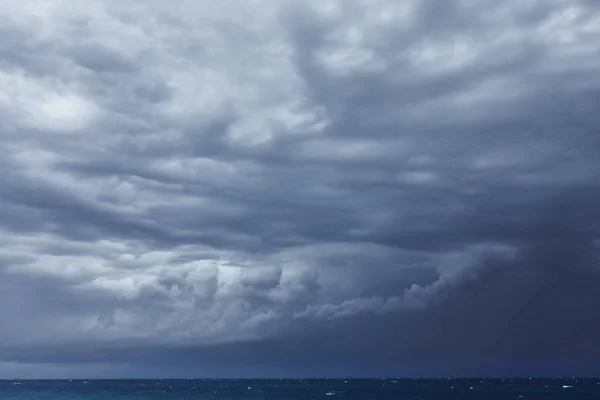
{"points": [[300, 389]]}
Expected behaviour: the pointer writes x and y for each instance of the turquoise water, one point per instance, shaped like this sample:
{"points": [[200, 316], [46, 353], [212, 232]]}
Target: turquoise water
{"points": [[296, 389]]}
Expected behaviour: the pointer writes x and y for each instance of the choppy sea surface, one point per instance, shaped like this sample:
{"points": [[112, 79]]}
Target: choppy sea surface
{"points": [[297, 389]]}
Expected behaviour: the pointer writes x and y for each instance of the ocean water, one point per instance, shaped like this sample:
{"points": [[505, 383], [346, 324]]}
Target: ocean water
{"points": [[297, 389]]}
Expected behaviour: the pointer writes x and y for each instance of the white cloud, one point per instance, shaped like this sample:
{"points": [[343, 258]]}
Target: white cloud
{"points": [[419, 177]]}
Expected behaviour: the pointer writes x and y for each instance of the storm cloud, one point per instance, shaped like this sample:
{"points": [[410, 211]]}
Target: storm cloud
{"points": [[296, 188]]}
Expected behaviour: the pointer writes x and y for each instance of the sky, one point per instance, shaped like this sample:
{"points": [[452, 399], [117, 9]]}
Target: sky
{"points": [[270, 188]]}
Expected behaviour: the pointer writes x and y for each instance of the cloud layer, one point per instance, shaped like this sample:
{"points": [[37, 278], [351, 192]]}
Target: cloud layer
{"points": [[325, 187]]}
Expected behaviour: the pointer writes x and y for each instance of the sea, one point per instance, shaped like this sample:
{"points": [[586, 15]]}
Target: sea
{"points": [[300, 389]]}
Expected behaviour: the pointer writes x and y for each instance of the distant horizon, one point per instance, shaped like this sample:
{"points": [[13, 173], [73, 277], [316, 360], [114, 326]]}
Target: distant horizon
{"points": [[315, 378]]}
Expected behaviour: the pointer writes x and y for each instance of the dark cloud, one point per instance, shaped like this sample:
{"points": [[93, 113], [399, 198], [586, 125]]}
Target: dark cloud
{"points": [[99, 59], [303, 188]]}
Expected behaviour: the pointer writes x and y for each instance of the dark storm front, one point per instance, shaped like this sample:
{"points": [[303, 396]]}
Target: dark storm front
{"points": [[292, 389]]}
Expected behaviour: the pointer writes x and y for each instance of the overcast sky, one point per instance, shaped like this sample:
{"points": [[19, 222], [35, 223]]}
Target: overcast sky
{"points": [[296, 188]]}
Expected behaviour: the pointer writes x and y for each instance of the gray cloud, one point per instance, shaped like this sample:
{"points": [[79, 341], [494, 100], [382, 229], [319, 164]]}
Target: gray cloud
{"points": [[299, 188]]}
